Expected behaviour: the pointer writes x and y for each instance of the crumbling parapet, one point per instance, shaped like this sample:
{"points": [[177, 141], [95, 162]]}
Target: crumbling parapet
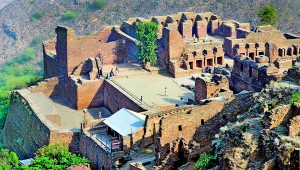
{"points": [[210, 86]]}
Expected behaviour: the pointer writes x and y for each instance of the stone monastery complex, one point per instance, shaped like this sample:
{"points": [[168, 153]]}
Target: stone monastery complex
{"points": [[165, 115]]}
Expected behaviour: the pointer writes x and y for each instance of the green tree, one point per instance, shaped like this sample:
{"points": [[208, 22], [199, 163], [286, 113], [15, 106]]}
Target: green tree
{"points": [[8, 160], [55, 156], [147, 41], [99, 4], [205, 161], [268, 16]]}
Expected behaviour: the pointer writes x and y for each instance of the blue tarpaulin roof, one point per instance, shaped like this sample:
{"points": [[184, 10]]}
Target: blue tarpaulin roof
{"points": [[125, 121]]}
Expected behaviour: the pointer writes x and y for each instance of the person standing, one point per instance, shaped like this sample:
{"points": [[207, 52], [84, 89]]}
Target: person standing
{"points": [[117, 71], [166, 91]]}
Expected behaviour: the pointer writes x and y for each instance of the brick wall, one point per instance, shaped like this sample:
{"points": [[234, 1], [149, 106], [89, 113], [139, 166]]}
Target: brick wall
{"points": [[205, 89], [27, 130], [72, 50], [50, 87], [24, 132], [114, 100], [91, 150]]}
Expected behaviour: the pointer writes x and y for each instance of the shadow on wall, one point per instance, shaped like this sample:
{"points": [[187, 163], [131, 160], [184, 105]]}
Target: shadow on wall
{"points": [[205, 133], [206, 119]]}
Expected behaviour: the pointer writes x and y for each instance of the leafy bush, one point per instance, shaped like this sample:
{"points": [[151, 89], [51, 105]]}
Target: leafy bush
{"points": [[295, 98], [69, 15], [55, 156], [205, 161], [147, 41], [99, 4], [36, 41], [8, 160], [37, 16], [268, 15]]}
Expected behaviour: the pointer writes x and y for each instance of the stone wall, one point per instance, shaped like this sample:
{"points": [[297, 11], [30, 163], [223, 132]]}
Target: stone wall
{"points": [[74, 49], [89, 148], [50, 59], [24, 132], [86, 93], [26, 129], [294, 127], [210, 88], [50, 87], [115, 99], [196, 129]]}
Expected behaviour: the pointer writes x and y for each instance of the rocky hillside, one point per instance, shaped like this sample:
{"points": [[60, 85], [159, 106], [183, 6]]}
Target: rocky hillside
{"points": [[26, 23], [3, 3]]}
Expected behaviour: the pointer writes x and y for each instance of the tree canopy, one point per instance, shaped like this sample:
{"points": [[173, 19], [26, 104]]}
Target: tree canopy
{"points": [[8, 160], [147, 41], [55, 156], [268, 15]]}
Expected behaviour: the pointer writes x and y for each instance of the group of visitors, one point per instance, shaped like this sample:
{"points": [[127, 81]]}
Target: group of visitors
{"points": [[112, 73], [210, 69]]}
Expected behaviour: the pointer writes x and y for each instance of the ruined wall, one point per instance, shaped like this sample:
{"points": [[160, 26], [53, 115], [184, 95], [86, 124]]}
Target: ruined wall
{"points": [[278, 116], [50, 59], [24, 132], [89, 148], [27, 129], [50, 87], [197, 130], [86, 94], [247, 76], [210, 88], [294, 127], [152, 123], [72, 49], [114, 99]]}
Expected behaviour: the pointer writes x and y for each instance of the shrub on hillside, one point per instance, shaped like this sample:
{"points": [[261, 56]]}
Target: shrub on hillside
{"points": [[37, 16], [69, 15], [205, 161], [295, 98], [99, 4]]}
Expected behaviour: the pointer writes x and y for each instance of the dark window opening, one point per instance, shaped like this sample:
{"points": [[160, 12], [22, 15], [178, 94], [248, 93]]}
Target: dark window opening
{"points": [[219, 61], [280, 52], [251, 55], [191, 65], [261, 53], [199, 63], [289, 52], [209, 62], [295, 51], [202, 122], [250, 72], [180, 128]]}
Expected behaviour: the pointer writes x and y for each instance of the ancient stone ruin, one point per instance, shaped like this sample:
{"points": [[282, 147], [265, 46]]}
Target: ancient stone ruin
{"points": [[98, 99]]}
